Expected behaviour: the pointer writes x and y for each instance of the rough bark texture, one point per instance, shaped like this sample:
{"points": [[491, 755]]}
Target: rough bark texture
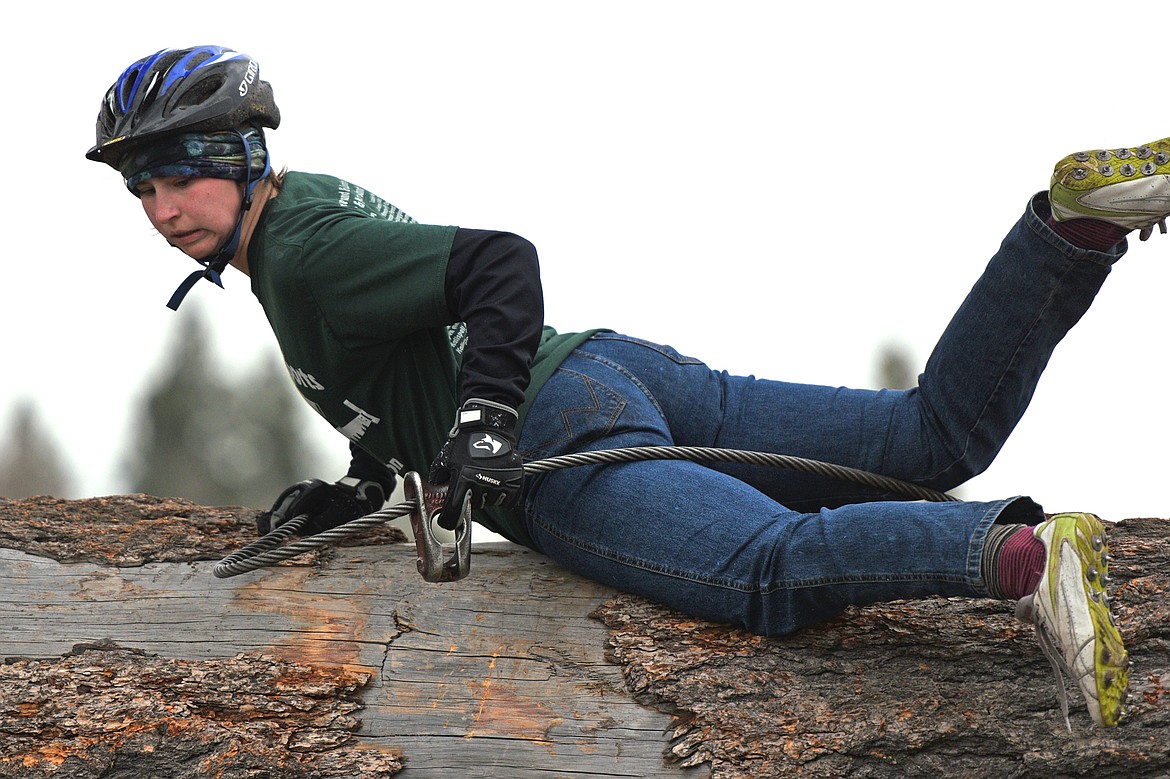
{"points": [[335, 665], [132, 530], [502, 674], [938, 687], [116, 713]]}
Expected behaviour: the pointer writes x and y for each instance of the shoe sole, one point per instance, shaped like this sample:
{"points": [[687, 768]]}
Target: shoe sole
{"points": [[1076, 604], [1126, 187]]}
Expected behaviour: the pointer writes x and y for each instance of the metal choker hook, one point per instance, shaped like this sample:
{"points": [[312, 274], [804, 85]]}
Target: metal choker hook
{"points": [[426, 504]]}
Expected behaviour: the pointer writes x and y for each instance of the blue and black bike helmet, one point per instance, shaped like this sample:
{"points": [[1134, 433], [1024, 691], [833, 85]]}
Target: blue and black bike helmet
{"points": [[205, 89], [182, 90]]}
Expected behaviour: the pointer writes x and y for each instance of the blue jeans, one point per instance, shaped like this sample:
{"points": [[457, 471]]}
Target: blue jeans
{"points": [[775, 550]]}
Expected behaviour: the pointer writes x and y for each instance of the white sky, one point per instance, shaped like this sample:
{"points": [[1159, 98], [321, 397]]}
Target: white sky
{"points": [[778, 189]]}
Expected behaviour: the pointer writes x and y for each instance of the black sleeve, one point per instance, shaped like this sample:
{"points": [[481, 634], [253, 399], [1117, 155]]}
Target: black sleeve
{"points": [[363, 465], [493, 285]]}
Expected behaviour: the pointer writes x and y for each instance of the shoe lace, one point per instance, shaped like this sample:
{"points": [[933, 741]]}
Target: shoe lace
{"points": [[1051, 649]]}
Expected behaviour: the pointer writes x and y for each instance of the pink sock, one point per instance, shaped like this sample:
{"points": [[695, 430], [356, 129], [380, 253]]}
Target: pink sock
{"points": [[1021, 562], [1092, 234]]}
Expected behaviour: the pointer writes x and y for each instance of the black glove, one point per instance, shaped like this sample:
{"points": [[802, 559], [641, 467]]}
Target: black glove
{"points": [[327, 505], [479, 458]]}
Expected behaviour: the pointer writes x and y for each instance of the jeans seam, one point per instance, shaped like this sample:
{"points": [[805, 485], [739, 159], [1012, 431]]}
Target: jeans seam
{"points": [[1013, 361], [729, 584], [627, 375], [1035, 221], [640, 564], [667, 352], [569, 435]]}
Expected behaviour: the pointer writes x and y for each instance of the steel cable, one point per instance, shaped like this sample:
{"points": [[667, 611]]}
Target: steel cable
{"points": [[272, 548]]}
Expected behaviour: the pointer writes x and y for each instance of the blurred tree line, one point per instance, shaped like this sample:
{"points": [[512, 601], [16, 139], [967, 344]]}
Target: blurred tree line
{"points": [[30, 464], [198, 434], [202, 436]]}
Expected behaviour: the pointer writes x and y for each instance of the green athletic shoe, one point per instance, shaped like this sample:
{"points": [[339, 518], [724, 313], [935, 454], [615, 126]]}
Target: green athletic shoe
{"points": [[1070, 611], [1126, 187]]}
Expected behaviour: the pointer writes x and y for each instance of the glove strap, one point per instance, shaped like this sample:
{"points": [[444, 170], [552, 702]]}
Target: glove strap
{"points": [[480, 412]]}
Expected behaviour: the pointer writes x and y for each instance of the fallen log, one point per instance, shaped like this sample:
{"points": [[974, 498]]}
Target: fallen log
{"points": [[502, 674], [123, 648]]}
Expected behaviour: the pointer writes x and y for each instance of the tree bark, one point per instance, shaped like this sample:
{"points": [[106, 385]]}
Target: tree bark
{"points": [[929, 688], [337, 664], [106, 711], [127, 658]]}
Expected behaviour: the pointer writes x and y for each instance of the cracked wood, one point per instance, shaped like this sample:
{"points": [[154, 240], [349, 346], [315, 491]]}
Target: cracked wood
{"points": [[501, 674]]}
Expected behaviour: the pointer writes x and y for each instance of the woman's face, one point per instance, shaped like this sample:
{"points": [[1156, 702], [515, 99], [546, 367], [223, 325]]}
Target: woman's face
{"points": [[196, 215]]}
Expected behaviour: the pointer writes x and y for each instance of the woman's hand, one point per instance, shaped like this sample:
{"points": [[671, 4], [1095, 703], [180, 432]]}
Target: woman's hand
{"points": [[479, 458], [326, 504]]}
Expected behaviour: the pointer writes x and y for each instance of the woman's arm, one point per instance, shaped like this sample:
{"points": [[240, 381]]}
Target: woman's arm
{"points": [[493, 285]]}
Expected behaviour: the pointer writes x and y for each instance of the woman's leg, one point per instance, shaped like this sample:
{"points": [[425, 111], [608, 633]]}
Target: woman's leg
{"points": [[798, 549], [975, 388], [704, 542]]}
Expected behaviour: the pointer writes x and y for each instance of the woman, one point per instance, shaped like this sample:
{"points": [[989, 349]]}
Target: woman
{"points": [[392, 329]]}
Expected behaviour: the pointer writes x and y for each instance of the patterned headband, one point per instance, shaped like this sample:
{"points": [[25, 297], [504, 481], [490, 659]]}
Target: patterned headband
{"points": [[210, 155]]}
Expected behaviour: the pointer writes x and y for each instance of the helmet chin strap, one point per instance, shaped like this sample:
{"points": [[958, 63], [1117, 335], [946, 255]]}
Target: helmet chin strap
{"points": [[215, 264]]}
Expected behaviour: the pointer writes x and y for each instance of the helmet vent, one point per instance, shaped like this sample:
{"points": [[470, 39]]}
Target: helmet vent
{"points": [[201, 92], [182, 90]]}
